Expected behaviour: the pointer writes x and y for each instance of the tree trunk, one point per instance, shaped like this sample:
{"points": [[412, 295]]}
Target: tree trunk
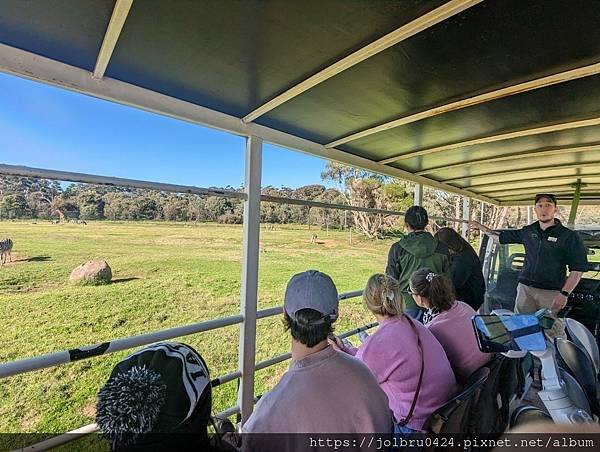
{"points": [[61, 215], [457, 212], [501, 218]]}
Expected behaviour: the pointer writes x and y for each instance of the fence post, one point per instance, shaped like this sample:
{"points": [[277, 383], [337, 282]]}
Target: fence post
{"points": [[466, 215], [418, 197], [482, 221], [249, 294]]}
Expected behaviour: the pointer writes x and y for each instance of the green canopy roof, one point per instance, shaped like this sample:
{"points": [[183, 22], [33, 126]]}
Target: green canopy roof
{"points": [[497, 100]]}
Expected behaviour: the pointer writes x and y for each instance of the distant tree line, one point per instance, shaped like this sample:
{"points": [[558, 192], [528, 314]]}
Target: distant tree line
{"points": [[30, 198], [23, 197]]}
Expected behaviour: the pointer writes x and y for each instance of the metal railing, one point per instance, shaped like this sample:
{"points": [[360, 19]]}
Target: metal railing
{"points": [[25, 171], [105, 348], [86, 352], [248, 315]]}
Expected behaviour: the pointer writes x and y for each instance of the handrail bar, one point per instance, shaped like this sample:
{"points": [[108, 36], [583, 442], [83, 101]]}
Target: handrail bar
{"points": [[306, 202], [91, 428], [25, 171], [59, 440], [279, 309], [11, 368], [40, 173], [270, 312], [53, 359], [351, 294]]}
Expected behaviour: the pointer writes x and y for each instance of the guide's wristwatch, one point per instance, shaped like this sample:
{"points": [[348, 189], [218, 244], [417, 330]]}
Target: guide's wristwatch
{"points": [[565, 293]]}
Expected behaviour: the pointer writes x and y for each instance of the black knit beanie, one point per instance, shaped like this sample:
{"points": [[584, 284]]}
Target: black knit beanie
{"points": [[161, 390]]}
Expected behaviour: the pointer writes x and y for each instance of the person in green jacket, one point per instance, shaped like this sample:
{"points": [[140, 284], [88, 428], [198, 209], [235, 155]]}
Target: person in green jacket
{"points": [[417, 249]]}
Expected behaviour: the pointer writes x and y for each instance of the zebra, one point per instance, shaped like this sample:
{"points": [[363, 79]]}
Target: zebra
{"points": [[5, 250]]}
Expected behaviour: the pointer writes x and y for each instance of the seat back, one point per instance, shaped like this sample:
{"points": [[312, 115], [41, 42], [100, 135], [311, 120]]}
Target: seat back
{"points": [[576, 361], [454, 415], [575, 391], [526, 414], [505, 382], [504, 293], [583, 337]]}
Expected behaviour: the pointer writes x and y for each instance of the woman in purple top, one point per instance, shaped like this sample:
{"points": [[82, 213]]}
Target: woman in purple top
{"points": [[408, 362], [449, 320]]}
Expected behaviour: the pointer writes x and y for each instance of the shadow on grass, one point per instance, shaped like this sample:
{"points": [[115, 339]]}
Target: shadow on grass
{"points": [[35, 259], [123, 280]]}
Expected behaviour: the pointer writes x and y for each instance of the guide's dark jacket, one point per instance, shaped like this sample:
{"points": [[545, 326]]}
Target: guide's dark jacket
{"points": [[547, 254], [412, 252]]}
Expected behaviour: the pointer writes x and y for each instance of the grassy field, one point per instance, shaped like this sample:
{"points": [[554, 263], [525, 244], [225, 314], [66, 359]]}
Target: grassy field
{"points": [[165, 275]]}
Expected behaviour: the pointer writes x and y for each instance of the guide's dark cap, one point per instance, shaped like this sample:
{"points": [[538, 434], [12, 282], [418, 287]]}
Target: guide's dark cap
{"points": [[311, 290], [549, 196]]}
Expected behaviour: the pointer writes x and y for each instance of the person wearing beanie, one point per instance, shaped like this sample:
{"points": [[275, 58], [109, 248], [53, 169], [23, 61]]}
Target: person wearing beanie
{"points": [[153, 395]]}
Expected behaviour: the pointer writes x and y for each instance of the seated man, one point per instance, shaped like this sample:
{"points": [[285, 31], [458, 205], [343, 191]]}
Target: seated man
{"points": [[324, 390]]}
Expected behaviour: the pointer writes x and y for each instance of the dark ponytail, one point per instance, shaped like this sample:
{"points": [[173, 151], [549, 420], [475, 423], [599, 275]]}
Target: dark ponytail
{"points": [[436, 288]]}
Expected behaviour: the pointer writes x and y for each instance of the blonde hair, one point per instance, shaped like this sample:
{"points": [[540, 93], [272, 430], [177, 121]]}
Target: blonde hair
{"points": [[383, 296]]}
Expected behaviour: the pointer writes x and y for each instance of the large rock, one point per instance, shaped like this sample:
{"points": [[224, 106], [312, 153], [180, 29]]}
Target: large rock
{"points": [[92, 272]]}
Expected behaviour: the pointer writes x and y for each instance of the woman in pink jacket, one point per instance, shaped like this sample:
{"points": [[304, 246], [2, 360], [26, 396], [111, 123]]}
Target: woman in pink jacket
{"points": [[449, 320], [407, 360]]}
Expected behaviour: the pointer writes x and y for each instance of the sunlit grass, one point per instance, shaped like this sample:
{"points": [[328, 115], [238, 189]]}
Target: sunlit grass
{"points": [[165, 275]]}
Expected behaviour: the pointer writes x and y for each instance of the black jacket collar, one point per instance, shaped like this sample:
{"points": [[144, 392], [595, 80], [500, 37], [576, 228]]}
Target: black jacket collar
{"points": [[539, 229]]}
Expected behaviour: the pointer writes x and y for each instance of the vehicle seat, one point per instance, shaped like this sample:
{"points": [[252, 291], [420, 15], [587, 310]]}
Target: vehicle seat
{"points": [[503, 295], [576, 361], [575, 391], [454, 415], [581, 336], [526, 414]]}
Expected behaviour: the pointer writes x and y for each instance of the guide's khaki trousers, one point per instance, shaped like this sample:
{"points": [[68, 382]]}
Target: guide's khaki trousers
{"points": [[530, 299]]}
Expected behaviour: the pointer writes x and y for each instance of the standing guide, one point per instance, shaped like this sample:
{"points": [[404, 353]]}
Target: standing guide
{"points": [[549, 248]]}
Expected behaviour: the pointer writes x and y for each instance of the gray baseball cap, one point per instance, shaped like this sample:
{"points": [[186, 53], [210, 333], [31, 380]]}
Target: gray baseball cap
{"points": [[311, 290]]}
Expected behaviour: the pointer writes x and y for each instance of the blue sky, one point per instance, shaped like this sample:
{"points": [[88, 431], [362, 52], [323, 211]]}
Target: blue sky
{"points": [[46, 127]]}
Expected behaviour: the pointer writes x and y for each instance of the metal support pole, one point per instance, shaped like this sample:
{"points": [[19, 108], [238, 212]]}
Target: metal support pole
{"points": [[575, 203], [418, 198], [481, 220], [529, 215], [466, 214], [247, 347]]}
